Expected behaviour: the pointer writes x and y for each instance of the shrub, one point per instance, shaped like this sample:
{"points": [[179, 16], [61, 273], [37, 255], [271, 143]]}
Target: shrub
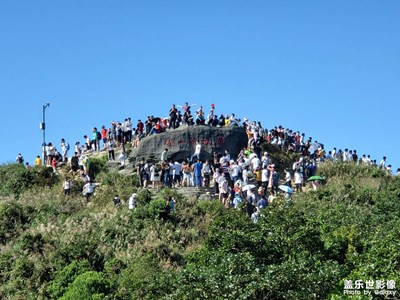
{"points": [[16, 179], [89, 285], [66, 276], [13, 217]]}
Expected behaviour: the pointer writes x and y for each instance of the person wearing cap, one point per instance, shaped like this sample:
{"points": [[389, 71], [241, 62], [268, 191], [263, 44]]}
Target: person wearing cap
{"points": [[132, 201], [260, 193], [212, 110]]}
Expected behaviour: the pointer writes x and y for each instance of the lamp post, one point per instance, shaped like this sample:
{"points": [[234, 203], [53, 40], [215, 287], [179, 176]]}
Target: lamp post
{"points": [[43, 127]]}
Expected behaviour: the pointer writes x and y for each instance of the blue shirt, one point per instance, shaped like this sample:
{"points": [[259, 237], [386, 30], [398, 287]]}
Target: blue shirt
{"points": [[262, 202], [197, 168]]}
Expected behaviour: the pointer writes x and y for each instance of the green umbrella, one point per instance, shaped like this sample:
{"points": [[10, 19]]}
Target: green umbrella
{"points": [[316, 177]]}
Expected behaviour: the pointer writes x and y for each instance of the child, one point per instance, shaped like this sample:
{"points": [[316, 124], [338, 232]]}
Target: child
{"points": [[54, 165]]}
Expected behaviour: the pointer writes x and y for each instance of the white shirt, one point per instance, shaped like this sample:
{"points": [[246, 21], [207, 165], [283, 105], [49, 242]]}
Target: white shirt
{"points": [[235, 170], [198, 149], [64, 147], [382, 164], [298, 178], [88, 188], [128, 125], [345, 156], [67, 185], [255, 163], [333, 154], [131, 202], [178, 168], [288, 176], [110, 145], [264, 175]]}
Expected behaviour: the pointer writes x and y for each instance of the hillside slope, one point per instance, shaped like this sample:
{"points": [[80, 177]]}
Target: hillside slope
{"points": [[56, 247]]}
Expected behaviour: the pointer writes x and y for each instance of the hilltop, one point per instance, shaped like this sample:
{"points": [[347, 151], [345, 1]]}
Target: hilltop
{"points": [[56, 247]]}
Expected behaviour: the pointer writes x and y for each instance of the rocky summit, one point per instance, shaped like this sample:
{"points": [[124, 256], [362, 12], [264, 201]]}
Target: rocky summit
{"points": [[181, 142]]}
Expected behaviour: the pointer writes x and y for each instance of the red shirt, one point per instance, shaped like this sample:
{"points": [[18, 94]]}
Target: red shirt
{"points": [[104, 133], [140, 126]]}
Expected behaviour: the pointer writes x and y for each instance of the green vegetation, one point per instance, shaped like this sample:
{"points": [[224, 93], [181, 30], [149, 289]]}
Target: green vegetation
{"points": [[56, 247]]}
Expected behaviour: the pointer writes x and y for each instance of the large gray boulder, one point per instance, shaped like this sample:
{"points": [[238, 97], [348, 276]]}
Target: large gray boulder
{"points": [[181, 142]]}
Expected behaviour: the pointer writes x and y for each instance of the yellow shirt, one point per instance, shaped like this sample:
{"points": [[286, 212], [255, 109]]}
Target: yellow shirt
{"points": [[38, 161], [258, 174]]}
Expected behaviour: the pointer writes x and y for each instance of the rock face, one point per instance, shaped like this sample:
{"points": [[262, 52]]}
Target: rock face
{"points": [[181, 142]]}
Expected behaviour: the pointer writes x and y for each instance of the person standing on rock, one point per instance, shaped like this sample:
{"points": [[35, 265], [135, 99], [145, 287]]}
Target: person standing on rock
{"points": [[177, 175], [74, 162], [197, 151], [153, 170], [223, 191], [206, 173], [110, 148], [104, 136], [172, 117], [165, 173], [164, 155], [198, 166], [64, 150], [140, 171], [216, 178], [128, 130]]}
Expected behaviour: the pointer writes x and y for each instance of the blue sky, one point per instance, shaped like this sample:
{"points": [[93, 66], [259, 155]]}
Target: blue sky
{"points": [[326, 68]]}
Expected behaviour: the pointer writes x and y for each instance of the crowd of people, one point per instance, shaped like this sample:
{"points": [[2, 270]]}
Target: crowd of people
{"points": [[228, 175]]}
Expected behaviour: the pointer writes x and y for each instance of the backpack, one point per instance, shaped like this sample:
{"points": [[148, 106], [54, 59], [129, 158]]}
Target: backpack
{"points": [[98, 135], [67, 147]]}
